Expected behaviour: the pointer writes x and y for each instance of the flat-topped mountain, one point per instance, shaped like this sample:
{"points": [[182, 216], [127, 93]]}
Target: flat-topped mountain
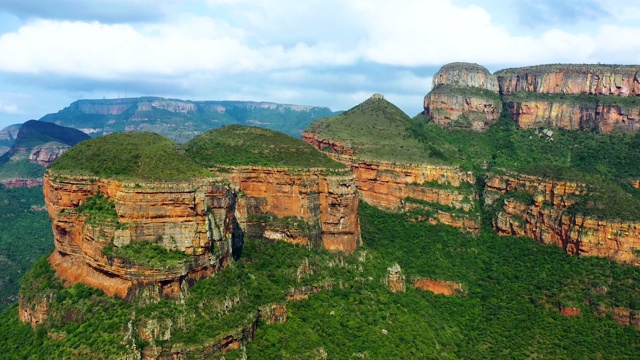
{"points": [[182, 120], [603, 98]]}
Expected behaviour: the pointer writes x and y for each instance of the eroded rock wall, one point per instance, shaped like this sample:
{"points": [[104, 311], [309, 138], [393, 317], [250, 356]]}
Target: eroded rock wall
{"points": [[195, 218], [310, 207], [541, 214]]}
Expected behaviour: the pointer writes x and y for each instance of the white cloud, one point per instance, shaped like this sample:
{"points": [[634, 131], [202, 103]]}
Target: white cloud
{"points": [[9, 108]]}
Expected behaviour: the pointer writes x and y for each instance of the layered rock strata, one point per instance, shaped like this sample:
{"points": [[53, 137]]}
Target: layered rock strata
{"points": [[441, 194], [586, 97], [463, 96], [197, 219], [540, 212], [317, 208]]}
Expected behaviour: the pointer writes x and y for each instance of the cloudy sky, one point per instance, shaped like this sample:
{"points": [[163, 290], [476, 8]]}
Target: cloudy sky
{"points": [[314, 52]]}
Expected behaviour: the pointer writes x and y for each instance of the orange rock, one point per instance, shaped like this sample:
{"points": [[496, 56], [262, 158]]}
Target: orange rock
{"points": [[178, 216], [437, 287], [569, 311], [577, 234], [326, 205]]}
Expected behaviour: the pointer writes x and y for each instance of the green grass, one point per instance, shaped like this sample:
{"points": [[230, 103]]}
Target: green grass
{"points": [[147, 254], [237, 145], [377, 129], [129, 156], [19, 169]]}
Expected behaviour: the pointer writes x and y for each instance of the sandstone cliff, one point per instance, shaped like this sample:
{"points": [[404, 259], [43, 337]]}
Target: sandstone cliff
{"points": [[585, 97], [537, 207], [196, 219], [437, 193], [463, 96], [310, 207]]}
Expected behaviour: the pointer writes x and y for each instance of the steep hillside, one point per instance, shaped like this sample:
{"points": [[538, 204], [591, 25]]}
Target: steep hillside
{"points": [[37, 144], [182, 120]]}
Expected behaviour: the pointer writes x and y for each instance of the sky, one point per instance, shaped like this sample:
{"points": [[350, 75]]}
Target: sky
{"points": [[333, 53]]}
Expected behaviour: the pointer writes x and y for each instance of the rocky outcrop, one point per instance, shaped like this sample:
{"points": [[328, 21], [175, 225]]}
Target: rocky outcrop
{"points": [[317, 208], [586, 97], [396, 280], [463, 96], [197, 219], [438, 287], [441, 194], [45, 154], [540, 211], [616, 80]]}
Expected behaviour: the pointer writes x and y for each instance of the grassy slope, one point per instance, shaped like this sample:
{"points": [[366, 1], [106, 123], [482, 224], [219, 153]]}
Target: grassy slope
{"points": [[377, 129], [243, 145], [140, 155], [513, 289]]}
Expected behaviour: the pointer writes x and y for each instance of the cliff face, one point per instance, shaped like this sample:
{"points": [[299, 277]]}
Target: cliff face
{"points": [[463, 96], [195, 219], [586, 97], [616, 80], [307, 207], [544, 218], [439, 194]]}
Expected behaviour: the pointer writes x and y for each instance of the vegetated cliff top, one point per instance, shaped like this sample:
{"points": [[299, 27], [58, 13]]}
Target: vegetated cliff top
{"points": [[238, 145], [465, 91], [377, 129], [129, 156], [570, 68]]}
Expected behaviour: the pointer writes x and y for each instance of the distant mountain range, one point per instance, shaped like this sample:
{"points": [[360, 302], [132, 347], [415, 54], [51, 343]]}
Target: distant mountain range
{"points": [[182, 120]]}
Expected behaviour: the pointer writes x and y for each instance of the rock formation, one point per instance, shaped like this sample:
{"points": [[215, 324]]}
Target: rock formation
{"points": [[442, 194], [196, 219], [437, 287], [586, 97], [544, 217], [309, 207], [463, 96]]}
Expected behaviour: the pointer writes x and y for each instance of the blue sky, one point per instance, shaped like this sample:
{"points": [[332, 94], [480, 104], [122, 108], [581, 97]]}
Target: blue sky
{"points": [[332, 53]]}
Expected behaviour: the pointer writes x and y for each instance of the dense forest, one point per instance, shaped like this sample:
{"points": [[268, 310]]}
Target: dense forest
{"points": [[25, 236]]}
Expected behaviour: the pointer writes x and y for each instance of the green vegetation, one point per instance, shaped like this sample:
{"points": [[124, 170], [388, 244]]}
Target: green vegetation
{"points": [[514, 288], [22, 169], [468, 91], [237, 145], [25, 235], [580, 99], [129, 156], [147, 254], [98, 210], [377, 129]]}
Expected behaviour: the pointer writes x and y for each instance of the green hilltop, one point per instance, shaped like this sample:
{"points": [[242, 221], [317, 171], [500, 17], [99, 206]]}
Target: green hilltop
{"points": [[131, 156], [377, 129], [237, 145]]}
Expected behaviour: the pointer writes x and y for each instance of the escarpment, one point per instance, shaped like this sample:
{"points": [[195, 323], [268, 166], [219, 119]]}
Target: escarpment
{"points": [[546, 210], [308, 207], [193, 220], [463, 96], [586, 97]]}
